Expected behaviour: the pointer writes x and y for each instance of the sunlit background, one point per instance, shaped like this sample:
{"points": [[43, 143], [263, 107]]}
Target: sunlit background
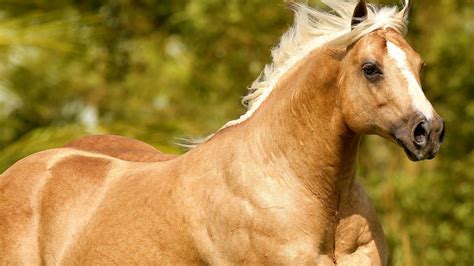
{"points": [[161, 70]]}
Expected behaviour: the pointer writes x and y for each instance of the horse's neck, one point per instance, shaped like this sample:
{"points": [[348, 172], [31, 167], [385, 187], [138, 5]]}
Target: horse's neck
{"points": [[302, 122], [299, 133]]}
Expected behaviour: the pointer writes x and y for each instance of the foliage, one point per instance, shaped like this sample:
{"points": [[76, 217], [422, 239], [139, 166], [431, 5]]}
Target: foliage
{"points": [[155, 70]]}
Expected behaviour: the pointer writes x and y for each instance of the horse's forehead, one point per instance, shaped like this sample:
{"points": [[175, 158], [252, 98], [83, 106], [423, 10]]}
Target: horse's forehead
{"points": [[398, 40], [375, 44]]}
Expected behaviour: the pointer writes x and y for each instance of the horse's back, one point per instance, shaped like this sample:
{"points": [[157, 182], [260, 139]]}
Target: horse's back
{"points": [[120, 147]]}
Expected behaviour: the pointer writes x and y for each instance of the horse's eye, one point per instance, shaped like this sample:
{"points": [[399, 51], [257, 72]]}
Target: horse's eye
{"points": [[371, 71]]}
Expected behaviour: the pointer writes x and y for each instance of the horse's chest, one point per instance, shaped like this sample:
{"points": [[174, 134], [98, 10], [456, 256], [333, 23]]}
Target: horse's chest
{"points": [[266, 227], [259, 239]]}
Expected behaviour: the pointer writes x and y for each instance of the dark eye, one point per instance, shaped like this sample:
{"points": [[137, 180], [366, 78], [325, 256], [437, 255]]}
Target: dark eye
{"points": [[371, 71]]}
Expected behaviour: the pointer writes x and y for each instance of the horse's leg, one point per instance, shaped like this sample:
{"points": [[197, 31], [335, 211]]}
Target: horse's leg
{"points": [[359, 239]]}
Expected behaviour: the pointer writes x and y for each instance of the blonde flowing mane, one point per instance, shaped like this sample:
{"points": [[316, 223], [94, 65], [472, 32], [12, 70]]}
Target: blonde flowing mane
{"points": [[314, 28]]}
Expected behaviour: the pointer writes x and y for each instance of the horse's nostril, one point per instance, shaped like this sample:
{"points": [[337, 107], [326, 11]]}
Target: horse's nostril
{"points": [[420, 134]]}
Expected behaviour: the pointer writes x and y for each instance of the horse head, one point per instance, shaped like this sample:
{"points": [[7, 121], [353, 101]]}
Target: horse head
{"points": [[381, 92]]}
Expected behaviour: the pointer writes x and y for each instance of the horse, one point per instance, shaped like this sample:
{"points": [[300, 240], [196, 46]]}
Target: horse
{"points": [[275, 186]]}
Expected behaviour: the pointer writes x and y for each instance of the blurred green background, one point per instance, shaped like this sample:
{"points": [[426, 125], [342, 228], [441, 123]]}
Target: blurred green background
{"points": [[157, 70]]}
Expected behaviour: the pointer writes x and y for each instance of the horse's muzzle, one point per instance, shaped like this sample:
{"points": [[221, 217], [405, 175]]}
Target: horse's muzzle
{"points": [[419, 137]]}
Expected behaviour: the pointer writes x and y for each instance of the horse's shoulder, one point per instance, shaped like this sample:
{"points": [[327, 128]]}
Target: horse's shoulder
{"points": [[120, 147]]}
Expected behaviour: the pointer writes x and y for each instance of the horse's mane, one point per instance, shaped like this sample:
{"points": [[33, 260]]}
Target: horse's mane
{"points": [[313, 28]]}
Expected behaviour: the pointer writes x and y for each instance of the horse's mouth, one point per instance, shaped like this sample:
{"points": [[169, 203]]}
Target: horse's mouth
{"points": [[415, 154], [412, 154]]}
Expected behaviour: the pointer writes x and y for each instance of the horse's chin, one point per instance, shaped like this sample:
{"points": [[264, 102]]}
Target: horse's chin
{"points": [[416, 155], [411, 155]]}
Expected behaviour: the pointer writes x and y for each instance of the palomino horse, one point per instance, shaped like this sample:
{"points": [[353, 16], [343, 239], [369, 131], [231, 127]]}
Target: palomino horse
{"points": [[276, 185]]}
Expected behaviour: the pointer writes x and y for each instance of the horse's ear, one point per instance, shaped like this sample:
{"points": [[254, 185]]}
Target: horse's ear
{"points": [[360, 14], [403, 15]]}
